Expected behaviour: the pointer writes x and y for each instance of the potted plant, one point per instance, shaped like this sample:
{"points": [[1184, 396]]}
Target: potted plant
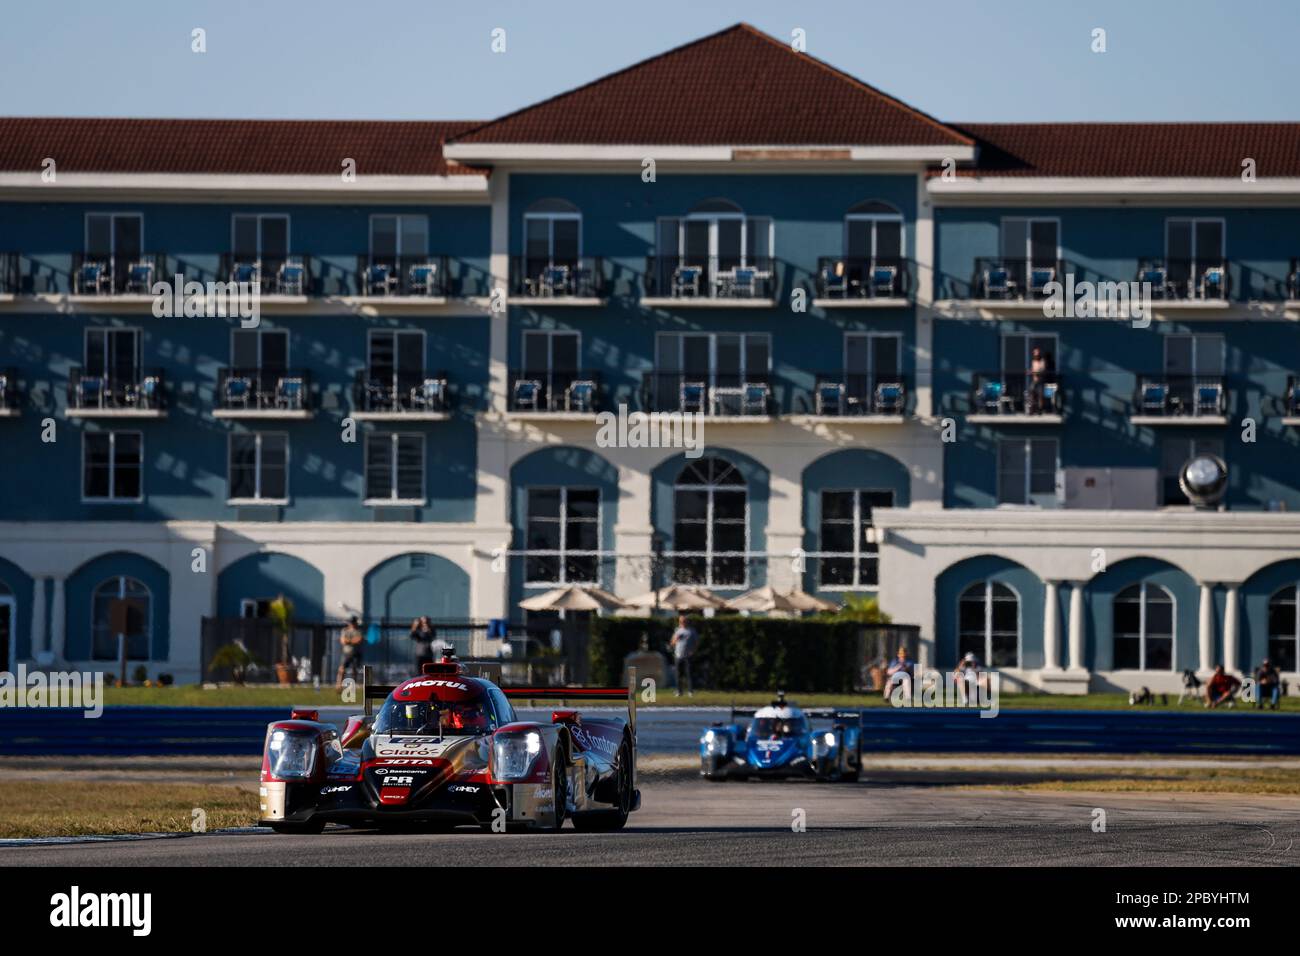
{"points": [[234, 657], [281, 615]]}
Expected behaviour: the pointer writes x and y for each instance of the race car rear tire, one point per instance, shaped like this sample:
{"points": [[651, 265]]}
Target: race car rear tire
{"points": [[311, 826], [559, 789], [606, 820]]}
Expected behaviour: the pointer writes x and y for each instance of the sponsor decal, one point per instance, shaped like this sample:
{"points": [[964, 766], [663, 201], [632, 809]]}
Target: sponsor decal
{"points": [[381, 771], [399, 781], [325, 790], [463, 788], [453, 684], [77, 909], [588, 741], [406, 762]]}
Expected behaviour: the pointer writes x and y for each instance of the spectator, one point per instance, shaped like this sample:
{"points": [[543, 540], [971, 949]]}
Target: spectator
{"points": [[1221, 688], [967, 677], [350, 641], [1268, 684], [683, 644], [423, 635], [902, 665]]}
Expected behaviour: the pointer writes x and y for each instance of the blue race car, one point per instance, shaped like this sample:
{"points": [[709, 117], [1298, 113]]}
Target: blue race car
{"points": [[781, 742]]}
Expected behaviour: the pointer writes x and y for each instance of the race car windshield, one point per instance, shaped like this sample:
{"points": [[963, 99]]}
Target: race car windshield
{"points": [[427, 718], [780, 726]]}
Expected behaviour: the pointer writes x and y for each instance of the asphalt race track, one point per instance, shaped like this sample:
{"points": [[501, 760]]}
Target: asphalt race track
{"points": [[687, 821]]}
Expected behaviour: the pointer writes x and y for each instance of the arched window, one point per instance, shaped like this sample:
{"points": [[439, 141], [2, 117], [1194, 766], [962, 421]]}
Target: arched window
{"points": [[8, 625], [563, 536], [874, 231], [552, 235], [1284, 628], [1144, 628], [710, 525], [121, 605], [989, 624], [716, 238]]}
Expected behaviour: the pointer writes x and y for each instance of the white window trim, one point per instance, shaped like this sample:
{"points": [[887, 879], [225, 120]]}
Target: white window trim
{"points": [[112, 468], [1142, 630], [563, 520], [85, 246], [148, 624], [874, 218], [1294, 588], [1026, 442], [137, 358], [399, 216], [1029, 242], [394, 502], [257, 499], [1196, 253], [859, 530], [260, 216], [987, 660], [550, 218], [713, 352], [709, 554]]}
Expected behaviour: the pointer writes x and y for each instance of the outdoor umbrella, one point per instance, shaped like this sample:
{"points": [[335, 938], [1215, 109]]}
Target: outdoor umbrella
{"points": [[677, 597], [573, 598], [768, 599]]}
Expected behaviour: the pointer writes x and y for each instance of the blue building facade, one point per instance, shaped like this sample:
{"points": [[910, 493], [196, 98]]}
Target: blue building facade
{"points": [[1034, 389]]}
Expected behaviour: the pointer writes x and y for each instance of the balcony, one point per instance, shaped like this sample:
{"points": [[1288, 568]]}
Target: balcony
{"points": [[1002, 398], [117, 395], [554, 395], [718, 282], [9, 275], [263, 393], [1180, 400], [854, 399], [719, 396], [575, 282], [415, 279], [284, 276], [400, 396], [1014, 280], [1291, 401], [97, 276], [854, 283], [9, 407], [1187, 281]]}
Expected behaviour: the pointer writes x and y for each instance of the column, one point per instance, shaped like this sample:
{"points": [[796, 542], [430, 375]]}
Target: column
{"points": [[1231, 635], [1205, 630], [1076, 626], [924, 298], [1051, 627], [38, 617], [58, 630]]}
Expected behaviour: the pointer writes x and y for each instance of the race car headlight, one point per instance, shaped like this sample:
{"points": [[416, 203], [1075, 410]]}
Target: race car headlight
{"points": [[514, 755], [291, 756], [823, 743], [714, 742]]}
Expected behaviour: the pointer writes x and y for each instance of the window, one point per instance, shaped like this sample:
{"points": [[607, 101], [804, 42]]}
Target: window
{"points": [[718, 234], [1027, 471], [396, 355], [1193, 242], [989, 624], [711, 524], [113, 354], [259, 467], [394, 469], [1176, 452], [260, 236], [112, 466], [1284, 628], [873, 230], [547, 353], [870, 358], [1197, 356], [563, 536], [552, 235], [1018, 350], [721, 359], [120, 606], [263, 350], [846, 519], [1144, 628], [114, 236], [255, 609], [398, 237], [1035, 242]]}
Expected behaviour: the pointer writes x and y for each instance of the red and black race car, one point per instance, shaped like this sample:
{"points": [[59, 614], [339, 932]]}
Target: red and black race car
{"points": [[446, 749]]}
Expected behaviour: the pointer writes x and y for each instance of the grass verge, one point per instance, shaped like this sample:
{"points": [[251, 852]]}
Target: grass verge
{"points": [[36, 808]]}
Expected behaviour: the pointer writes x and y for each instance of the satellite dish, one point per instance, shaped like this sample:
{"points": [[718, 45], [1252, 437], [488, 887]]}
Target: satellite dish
{"points": [[1204, 480]]}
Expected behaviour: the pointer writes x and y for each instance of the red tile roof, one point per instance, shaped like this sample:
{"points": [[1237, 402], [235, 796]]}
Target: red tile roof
{"points": [[736, 87], [1193, 150], [229, 146]]}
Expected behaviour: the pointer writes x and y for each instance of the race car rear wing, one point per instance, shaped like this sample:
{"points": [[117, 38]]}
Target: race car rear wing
{"points": [[839, 715], [580, 692]]}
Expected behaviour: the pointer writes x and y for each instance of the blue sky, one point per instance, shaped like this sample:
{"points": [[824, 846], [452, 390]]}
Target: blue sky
{"points": [[961, 60]]}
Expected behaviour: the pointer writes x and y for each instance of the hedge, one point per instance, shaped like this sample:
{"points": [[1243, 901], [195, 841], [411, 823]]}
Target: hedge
{"points": [[740, 653]]}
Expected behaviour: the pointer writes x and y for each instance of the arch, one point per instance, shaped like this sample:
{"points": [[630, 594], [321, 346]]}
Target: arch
{"points": [[552, 204], [716, 205], [874, 207], [1257, 624], [1143, 627], [989, 624], [988, 569], [135, 623], [80, 591], [552, 233], [406, 586], [1105, 586], [756, 490], [19, 589], [874, 230], [265, 575]]}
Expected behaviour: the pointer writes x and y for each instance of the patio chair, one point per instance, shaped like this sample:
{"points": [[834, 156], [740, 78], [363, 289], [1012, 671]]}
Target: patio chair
{"points": [[754, 397], [93, 278], [289, 393], [991, 395], [1155, 398], [422, 278], [430, 395], [884, 281], [380, 395], [139, 278], [1039, 278], [889, 398], [1051, 403], [291, 277], [1157, 277], [528, 394], [146, 394], [998, 282], [742, 282], [238, 390], [691, 396], [1213, 282], [830, 398], [686, 280], [580, 396], [554, 281], [380, 279], [247, 273], [90, 391], [1209, 398], [835, 280]]}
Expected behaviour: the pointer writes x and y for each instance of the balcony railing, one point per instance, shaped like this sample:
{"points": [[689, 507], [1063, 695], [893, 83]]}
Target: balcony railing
{"points": [[1293, 280], [263, 390], [1014, 279], [541, 278], [1180, 396], [710, 277], [552, 392], [1291, 400], [1018, 393], [1186, 279], [403, 276], [850, 279], [401, 392], [8, 390], [9, 273], [99, 391], [116, 275], [837, 395], [271, 275], [715, 394]]}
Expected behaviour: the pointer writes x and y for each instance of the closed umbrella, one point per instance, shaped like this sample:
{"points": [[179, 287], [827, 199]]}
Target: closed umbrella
{"points": [[573, 598]]}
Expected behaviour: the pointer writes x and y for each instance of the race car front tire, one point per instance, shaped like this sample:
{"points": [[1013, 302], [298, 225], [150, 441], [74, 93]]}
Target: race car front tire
{"points": [[606, 820], [559, 789]]}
